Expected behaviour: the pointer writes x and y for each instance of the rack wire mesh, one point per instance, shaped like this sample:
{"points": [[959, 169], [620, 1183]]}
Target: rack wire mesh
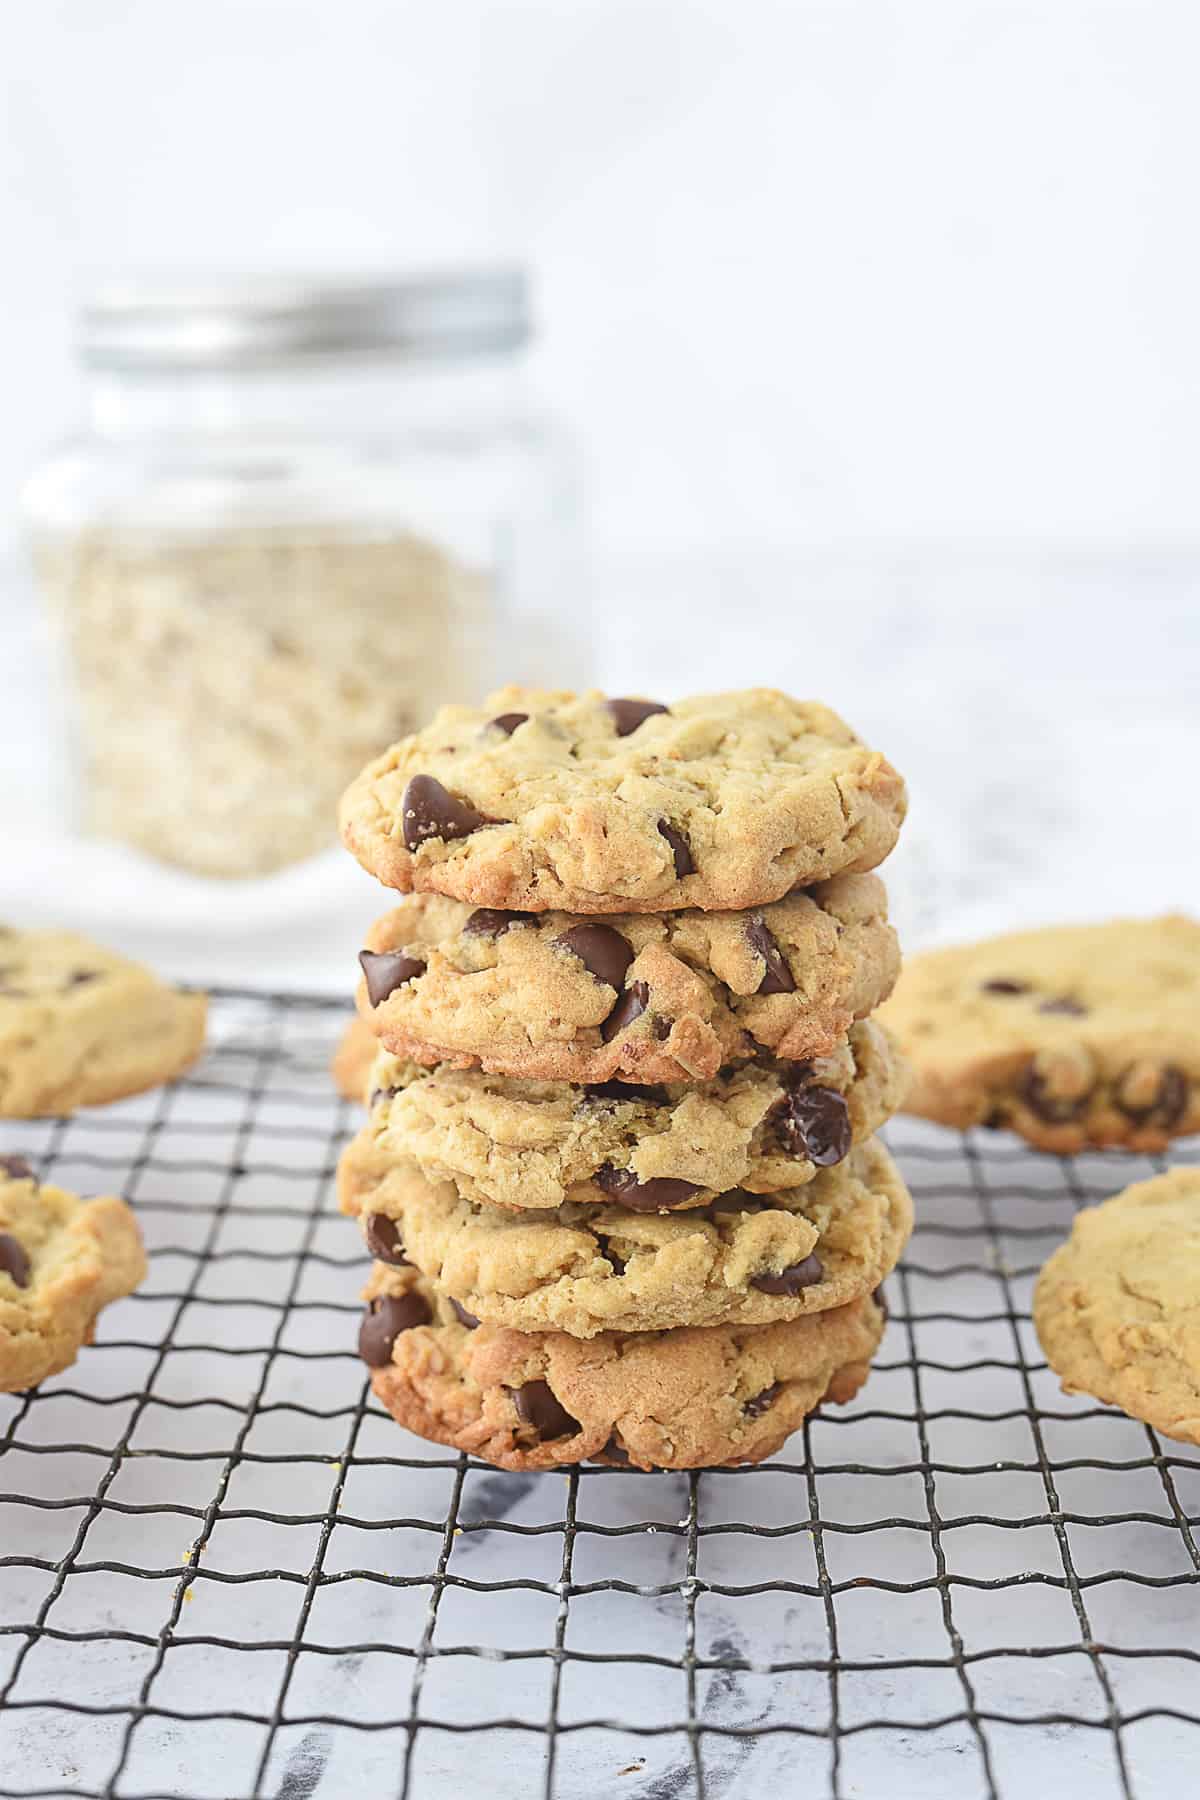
{"points": [[224, 1572]]}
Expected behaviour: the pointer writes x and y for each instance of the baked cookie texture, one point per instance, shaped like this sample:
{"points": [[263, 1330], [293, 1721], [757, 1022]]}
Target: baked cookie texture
{"points": [[540, 800], [62, 1259], [640, 997], [1074, 1036], [763, 1126], [352, 1060], [80, 1025], [676, 1400], [744, 1260], [1117, 1307]]}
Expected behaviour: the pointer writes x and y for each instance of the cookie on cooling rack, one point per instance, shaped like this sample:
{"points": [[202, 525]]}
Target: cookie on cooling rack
{"points": [[1117, 1307], [742, 1260], [639, 996], [541, 799], [659, 1400], [80, 1025], [351, 1065], [763, 1126], [1075, 1036], [62, 1259]]}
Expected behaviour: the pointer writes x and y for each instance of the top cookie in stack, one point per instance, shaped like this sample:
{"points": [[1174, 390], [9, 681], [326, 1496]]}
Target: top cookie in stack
{"points": [[631, 983]]}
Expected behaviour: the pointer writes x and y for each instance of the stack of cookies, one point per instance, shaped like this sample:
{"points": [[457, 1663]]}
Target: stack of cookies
{"points": [[619, 1177]]}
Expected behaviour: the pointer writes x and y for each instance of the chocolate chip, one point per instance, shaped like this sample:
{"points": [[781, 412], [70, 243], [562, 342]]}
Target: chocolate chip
{"points": [[604, 953], [386, 970], [508, 722], [618, 1262], [13, 1260], [755, 1408], [630, 1006], [791, 1280], [383, 1322], [880, 1299], [662, 1029], [378, 1094], [777, 977], [384, 1242], [613, 1453], [1055, 1109], [626, 1090], [627, 715], [1063, 1005], [1002, 985], [489, 921], [1169, 1103], [815, 1124], [660, 1194], [17, 1168], [736, 1200], [463, 1316], [428, 810], [680, 849], [537, 1405]]}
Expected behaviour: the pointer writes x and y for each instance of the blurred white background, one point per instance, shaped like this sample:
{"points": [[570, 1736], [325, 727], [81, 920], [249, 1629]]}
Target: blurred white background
{"points": [[875, 325]]}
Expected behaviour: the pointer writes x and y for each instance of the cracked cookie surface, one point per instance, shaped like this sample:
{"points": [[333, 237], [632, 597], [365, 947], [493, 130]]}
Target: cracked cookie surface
{"points": [[1117, 1307], [639, 997], [1074, 1036], [744, 1260], [662, 1400], [80, 1025], [763, 1126], [542, 799], [62, 1259]]}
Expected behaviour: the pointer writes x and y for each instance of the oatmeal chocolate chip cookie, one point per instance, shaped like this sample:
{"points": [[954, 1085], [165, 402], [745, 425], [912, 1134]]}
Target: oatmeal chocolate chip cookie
{"points": [[1075, 1036], [742, 1260], [80, 1025], [663, 1400], [351, 1066], [61, 1260], [530, 1144], [1117, 1307], [539, 800], [647, 997]]}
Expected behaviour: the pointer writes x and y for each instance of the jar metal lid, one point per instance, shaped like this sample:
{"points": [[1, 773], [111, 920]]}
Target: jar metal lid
{"points": [[246, 321]]}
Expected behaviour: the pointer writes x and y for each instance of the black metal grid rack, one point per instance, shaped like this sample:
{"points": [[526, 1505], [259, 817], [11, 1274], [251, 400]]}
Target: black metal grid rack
{"points": [[224, 1572]]}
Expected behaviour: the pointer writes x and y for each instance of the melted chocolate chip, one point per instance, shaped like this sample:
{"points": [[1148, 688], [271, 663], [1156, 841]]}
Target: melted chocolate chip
{"points": [[463, 1316], [1055, 1109], [537, 1405], [791, 1280], [604, 953], [17, 1168], [627, 715], [681, 850], [660, 1194], [489, 921], [755, 1408], [777, 977], [1073, 1008], [383, 1322], [14, 1260], [1169, 1103], [428, 810], [386, 970], [737, 1200], [626, 1090], [630, 1006], [662, 1029], [508, 722], [1002, 985], [815, 1124], [384, 1242]]}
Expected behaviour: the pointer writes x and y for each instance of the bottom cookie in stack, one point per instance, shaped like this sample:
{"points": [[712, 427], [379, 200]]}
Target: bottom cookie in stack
{"points": [[691, 1397]]}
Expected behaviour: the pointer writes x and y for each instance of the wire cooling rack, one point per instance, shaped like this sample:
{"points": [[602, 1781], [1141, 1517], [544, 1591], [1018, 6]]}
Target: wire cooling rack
{"points": [[224, 1572]]}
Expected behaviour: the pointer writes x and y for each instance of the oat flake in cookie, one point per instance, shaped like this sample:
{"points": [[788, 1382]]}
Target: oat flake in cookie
{"points": [[540, 800], [1074, 1036]]}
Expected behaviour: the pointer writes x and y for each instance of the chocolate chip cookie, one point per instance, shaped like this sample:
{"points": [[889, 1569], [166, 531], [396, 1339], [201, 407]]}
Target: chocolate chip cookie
{"points": [[640, 997], [764, 1126], [62, 1259], [540, 800], [1117, 1307], [351, 1066], [663, 1400], [744, 1259], [1074, 1036], [80, 1026]]}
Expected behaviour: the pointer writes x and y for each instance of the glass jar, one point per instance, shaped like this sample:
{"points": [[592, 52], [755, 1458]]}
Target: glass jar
{"points": [[303, 515]]}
